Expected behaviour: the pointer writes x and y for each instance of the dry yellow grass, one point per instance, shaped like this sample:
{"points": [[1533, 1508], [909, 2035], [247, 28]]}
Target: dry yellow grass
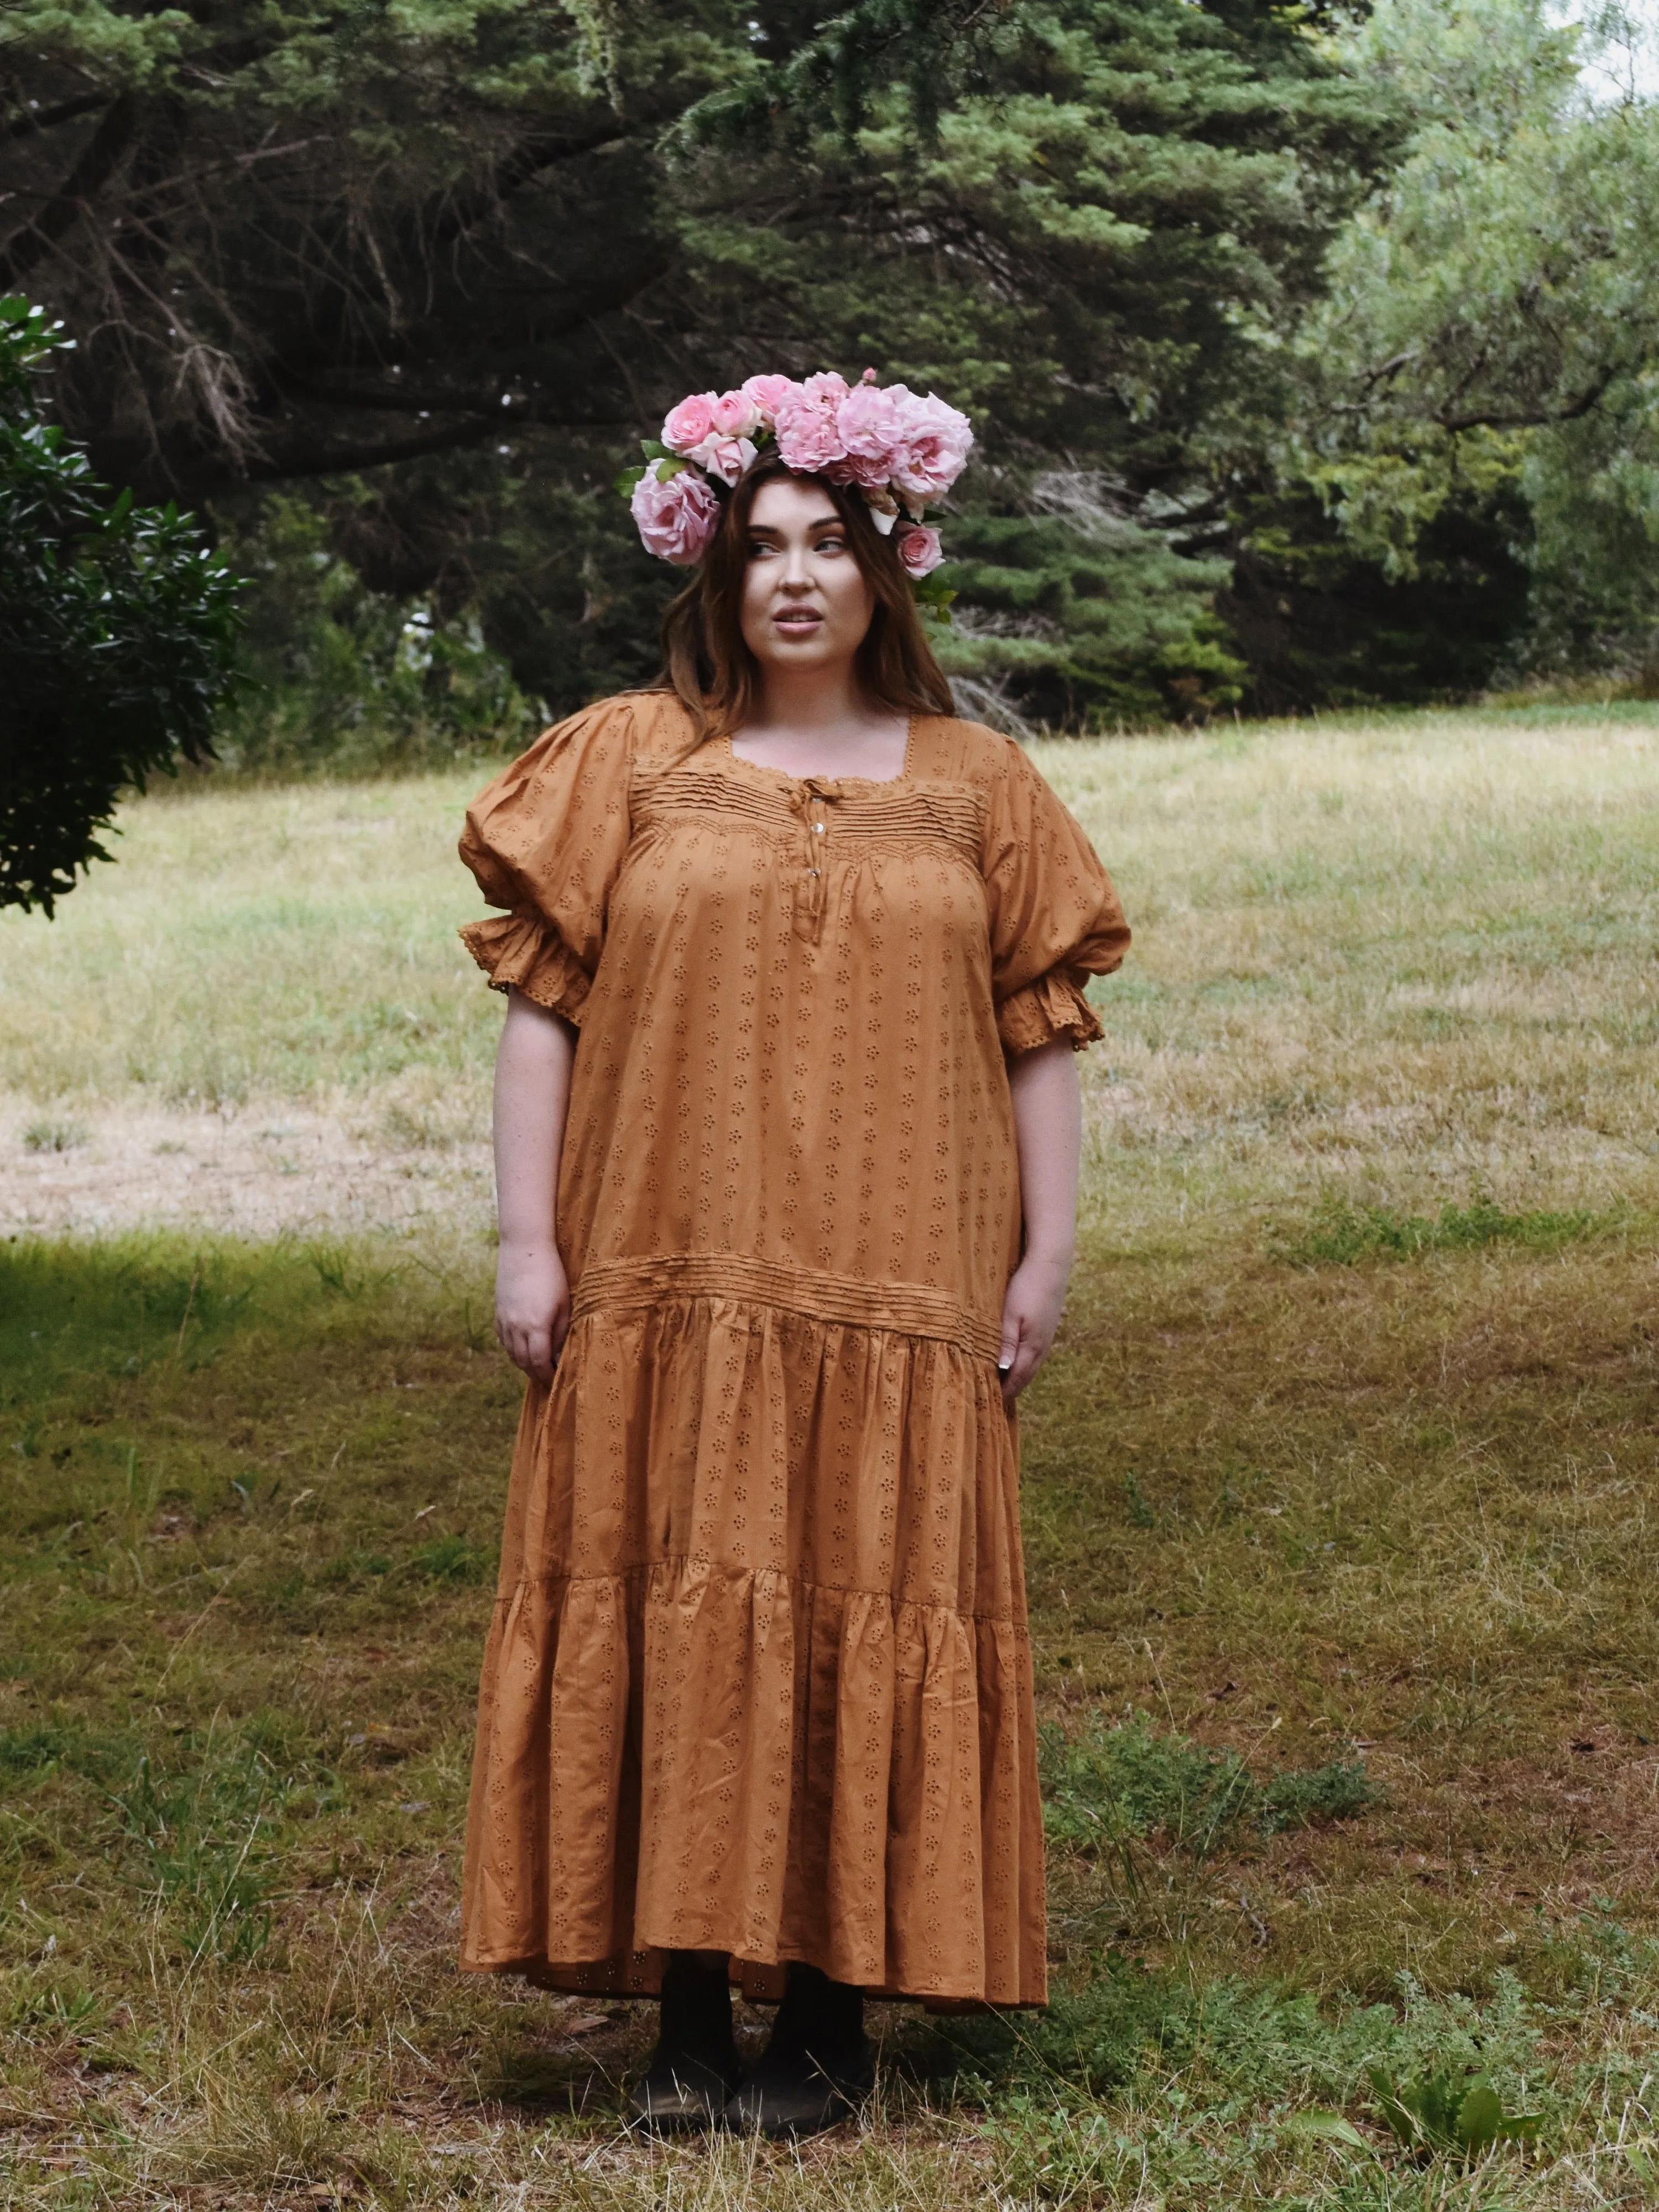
{"points": [[1403, 953], [1303, 1477]]}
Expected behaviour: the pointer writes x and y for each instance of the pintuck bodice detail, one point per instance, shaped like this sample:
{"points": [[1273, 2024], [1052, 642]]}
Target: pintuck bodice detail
{"points": [[758, 1678]]}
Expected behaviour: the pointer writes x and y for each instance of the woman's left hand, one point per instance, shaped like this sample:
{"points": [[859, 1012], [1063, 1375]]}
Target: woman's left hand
{"points": [[1030, 1314]]}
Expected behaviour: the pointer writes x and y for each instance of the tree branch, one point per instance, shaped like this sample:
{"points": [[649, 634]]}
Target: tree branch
{"points": [[353, 397], [34, 239], [515, 169], [313, 461], [25, 124], [449, 438], [1534, 418]]}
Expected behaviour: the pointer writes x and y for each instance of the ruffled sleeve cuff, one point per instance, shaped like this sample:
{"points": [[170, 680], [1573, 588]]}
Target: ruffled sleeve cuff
{"points": [[519, 949], [1045, 1011]]}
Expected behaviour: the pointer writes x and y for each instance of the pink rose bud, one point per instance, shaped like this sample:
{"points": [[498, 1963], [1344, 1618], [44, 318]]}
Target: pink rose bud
{"points": [[689, 423], [919, 551], [677, 515]]}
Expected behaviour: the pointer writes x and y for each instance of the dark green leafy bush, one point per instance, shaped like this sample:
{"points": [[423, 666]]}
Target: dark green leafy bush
{"points": [[117, 630]]}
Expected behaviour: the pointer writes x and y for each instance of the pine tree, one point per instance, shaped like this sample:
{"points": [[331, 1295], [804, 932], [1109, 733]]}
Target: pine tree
{"points": [[444, 265]]}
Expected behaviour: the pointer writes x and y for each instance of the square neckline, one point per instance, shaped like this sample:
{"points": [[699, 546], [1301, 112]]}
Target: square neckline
{"points": [[801, 782]]}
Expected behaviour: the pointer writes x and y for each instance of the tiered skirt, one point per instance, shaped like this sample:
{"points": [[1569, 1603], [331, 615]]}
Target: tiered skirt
{"points": [[758, 1679]]}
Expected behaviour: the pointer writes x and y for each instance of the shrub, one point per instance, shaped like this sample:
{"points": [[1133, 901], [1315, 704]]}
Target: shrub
{"points": [[116, 632]]}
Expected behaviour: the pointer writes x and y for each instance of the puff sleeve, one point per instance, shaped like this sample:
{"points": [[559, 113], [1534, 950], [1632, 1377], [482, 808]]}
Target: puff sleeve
{"points": [[1056, 920], [545, 841]]}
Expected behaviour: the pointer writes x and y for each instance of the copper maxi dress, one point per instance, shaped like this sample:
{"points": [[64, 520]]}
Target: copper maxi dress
{"points": [[758, 1679]]}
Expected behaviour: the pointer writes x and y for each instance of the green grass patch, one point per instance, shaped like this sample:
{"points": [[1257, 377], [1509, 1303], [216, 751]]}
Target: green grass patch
{"points": [[1341, 1233], [1109, 1786]]}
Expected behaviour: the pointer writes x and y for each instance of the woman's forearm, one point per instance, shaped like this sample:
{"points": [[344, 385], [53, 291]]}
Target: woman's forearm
{"points": [[1049, 1132], [532, 1098], [1048, 1135]]}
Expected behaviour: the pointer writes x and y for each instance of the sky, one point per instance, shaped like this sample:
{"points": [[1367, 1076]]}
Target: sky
{"points": [[1622, 67]]}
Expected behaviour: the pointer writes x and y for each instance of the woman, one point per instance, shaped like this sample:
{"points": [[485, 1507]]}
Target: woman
{"points": [[786, 1135]]}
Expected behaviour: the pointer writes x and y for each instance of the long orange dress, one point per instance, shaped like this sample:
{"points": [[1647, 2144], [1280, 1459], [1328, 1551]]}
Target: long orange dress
{"points": [[758, 1679]]}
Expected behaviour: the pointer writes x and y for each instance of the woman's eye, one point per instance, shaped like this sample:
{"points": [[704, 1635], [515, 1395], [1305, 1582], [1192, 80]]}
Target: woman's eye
{"points": [[830, 545]]}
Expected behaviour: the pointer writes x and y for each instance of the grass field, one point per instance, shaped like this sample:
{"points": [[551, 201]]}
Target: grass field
{"points": [[1338, 1500]]}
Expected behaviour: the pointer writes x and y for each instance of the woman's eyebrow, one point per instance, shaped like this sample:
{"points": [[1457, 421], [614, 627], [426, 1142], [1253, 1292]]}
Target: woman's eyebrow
{"points": [[823, 522]]}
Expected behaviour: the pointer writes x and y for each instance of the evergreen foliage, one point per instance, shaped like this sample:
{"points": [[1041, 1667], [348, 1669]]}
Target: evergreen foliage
{"points": [[116, 626], [1475, 398], [462, 255], [1121, 208], [1314, 356]]}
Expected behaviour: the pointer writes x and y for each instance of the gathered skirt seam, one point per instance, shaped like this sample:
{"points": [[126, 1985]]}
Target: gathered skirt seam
{"points": [[866, 1305], [552, 1582]]}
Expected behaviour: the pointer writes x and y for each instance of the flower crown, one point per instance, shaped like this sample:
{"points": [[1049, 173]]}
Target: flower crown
{"points": [[901, 450]]}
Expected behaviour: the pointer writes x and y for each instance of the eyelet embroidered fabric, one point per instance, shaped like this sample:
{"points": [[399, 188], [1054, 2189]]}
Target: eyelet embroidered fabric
{"points": [[758, 1679]]}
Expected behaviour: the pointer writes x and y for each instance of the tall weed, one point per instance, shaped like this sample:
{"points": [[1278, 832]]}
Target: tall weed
{"points": [[202, 1833]]}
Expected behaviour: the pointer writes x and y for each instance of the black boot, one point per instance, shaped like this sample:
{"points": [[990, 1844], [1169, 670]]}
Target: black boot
{"points": [[694, 2068], [816, 2067]]}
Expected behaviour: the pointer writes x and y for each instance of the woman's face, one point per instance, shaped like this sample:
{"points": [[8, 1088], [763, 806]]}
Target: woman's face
{"points": [[806, 603]]}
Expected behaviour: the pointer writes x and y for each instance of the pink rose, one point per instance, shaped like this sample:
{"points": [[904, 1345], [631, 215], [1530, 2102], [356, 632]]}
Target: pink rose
{"points": [[871, 423], [937, 443], [768, 393], [724, 457], [736, 415], [676, 514], [919, 551], [689, 423], [808, 436]]}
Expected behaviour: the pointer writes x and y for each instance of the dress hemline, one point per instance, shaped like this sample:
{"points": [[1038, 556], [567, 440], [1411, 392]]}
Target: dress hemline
{"points": [[758, 1982]]}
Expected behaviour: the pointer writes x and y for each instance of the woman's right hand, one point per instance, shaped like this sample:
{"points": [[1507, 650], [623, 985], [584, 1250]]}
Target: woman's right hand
{"points": [[532, 1307]]}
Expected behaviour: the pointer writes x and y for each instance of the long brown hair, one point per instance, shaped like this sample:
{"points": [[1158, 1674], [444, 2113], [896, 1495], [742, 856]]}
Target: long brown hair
{"points": [[712, 669]]}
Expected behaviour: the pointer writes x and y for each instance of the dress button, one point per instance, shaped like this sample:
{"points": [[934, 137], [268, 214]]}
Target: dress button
{"points": [[818, 828]]}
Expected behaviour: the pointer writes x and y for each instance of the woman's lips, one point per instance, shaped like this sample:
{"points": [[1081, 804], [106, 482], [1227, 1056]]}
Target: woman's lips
{"points": [[803, 619]]}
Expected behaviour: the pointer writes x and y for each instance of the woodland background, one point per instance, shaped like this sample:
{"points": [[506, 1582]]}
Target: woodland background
{"points": [[1313, 348]]}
